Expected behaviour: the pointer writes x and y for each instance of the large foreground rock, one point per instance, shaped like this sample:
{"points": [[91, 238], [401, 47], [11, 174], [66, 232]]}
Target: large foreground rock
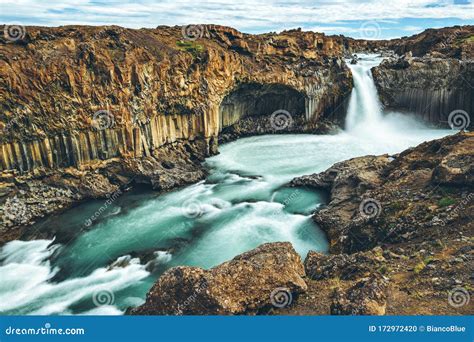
{"points": [[271, 273]]}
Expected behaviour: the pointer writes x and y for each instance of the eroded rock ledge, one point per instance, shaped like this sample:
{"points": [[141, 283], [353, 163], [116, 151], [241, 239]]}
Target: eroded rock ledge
{"points": [[404, 258], [431, 75]]}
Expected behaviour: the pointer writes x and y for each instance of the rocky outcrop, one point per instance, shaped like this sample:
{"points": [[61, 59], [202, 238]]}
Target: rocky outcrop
{"points": [[411, 196], [438, 90], [366, 297], [347, 183], [431, 75], [344, 266], [448, 42], [251, 282], [30, 197]]}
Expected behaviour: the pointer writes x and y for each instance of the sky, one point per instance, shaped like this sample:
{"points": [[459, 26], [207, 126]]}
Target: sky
{"points": [[371, 19]]}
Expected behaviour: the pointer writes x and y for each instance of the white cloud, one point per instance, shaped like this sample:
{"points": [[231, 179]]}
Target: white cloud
{"points": [[246, 15]]}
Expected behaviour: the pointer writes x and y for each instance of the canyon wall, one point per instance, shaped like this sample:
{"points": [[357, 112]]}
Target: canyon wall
{"points": [[74, 95], [91, 109], [85, 111], [431, 88], [431, 75]]}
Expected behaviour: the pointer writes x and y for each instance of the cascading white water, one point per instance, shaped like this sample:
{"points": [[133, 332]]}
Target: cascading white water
{"points": [[364, 105], [243, 203]]}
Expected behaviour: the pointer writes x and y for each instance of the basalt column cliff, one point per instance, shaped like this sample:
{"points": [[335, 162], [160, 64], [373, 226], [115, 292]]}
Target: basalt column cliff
{"points": [[86, 110], [432, 75]]}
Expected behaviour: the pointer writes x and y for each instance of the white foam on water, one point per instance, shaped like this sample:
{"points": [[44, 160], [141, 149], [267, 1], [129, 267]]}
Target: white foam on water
{"points": [[26, 285], [364, 105]]}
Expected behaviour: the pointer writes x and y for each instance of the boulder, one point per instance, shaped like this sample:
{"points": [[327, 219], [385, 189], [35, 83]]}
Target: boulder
{"points": [[270, 274], [366, 297]]}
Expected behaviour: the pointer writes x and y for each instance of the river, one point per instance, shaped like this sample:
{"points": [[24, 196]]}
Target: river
{"points": [[107, 266]]}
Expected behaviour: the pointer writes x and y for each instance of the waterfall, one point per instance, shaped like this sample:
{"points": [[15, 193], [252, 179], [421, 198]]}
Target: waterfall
{"points": [[364, 105]]}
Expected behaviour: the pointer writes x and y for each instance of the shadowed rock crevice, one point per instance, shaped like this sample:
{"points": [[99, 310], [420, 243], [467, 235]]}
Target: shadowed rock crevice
{"points": [[253, 99]]}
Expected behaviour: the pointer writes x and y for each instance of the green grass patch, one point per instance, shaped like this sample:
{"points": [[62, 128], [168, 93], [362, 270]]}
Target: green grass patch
{"points": [[190, 46], [469, 39], [446, 201], [422, 264], [399, 205]]}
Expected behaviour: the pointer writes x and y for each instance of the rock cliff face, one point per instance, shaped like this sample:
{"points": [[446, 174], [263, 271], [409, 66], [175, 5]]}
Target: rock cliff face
{"points": [[449, 42], [74, 95], [433, 78], [432, 88], [148, 105]]}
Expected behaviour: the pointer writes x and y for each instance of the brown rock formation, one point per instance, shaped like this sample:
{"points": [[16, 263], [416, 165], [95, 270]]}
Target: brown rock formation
{"points": [[248, 283], [376, 199], [432, 88], [125, 103], [434, 76], [344, 266], [366, 297], [448, 42], [76, 94]]}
